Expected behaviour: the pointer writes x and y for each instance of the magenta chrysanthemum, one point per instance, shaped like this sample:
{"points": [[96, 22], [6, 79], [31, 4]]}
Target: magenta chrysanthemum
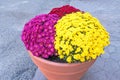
{"points": [[38, 35]]}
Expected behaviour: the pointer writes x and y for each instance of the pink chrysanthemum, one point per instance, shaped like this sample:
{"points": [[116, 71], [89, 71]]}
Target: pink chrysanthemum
{"points": [[38, 35]]}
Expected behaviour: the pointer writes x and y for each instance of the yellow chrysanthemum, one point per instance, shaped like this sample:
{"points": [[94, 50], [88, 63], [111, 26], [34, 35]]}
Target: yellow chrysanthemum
{"points": [[69, 59], [80, 37], [76, 56]]}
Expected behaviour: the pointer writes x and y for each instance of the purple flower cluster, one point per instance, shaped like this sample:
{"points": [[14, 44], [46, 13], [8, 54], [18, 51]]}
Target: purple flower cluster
{"points": [[38, 35]]}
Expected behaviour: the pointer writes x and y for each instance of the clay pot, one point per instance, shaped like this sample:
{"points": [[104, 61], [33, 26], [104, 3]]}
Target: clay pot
{"points": [[61, 71]]}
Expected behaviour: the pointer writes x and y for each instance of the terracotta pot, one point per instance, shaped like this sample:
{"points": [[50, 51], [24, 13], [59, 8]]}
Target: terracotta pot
{"points": [[61, 71]]}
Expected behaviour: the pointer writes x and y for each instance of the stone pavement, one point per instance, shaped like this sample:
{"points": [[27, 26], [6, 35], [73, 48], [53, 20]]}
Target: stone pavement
{"points": [[15, 63]]}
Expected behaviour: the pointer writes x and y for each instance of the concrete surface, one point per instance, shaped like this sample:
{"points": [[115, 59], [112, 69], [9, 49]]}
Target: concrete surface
{"points": [[15, 63]]}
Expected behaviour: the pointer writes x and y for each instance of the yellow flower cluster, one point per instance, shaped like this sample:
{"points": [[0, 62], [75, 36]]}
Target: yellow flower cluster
{"points": [[80, 37]]}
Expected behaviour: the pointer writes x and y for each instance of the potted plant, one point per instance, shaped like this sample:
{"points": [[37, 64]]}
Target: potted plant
{"points": [[65, 42]]}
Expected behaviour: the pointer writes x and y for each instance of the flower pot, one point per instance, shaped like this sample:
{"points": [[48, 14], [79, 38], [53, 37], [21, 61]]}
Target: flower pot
{"points": [[61, 71]]}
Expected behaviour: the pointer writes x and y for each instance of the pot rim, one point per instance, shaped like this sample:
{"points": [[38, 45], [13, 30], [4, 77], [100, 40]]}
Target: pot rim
{"points": [[56, 63]]}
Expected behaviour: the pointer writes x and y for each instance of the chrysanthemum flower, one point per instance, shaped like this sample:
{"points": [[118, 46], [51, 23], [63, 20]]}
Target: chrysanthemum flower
{"points": [[38, 35]]}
